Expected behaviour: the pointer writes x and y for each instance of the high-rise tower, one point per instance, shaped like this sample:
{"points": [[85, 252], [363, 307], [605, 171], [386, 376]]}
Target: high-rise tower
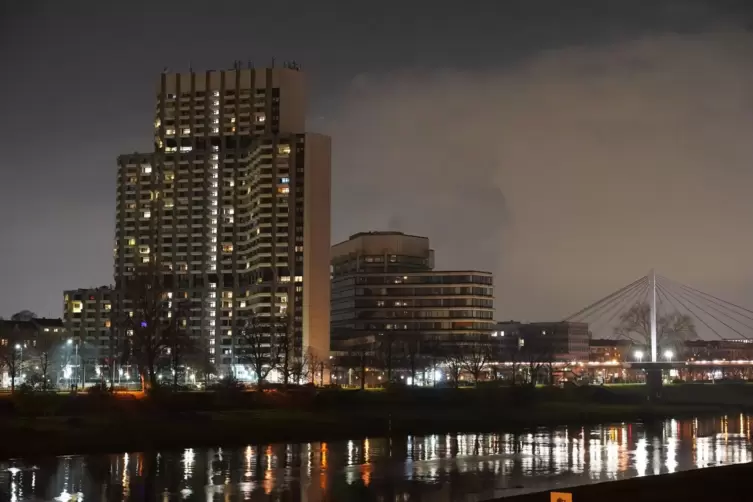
{"points": [[233, 205]]}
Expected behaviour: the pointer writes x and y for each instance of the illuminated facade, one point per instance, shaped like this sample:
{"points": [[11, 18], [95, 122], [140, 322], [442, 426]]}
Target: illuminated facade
{"points": [[234, 206], [383, 284], [86, 316]]}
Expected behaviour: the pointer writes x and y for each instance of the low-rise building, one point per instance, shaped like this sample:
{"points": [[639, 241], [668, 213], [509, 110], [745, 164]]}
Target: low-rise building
{"points": [[603, 350], [87, 317], [24, 342], [549, 341]]}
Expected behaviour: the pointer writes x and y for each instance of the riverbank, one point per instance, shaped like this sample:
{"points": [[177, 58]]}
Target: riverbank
{"points": [[56, 425], [727, 483]]}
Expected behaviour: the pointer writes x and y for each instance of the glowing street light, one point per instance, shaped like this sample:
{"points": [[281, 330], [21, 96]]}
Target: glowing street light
{"points": [[668, 354], [639, 355]]}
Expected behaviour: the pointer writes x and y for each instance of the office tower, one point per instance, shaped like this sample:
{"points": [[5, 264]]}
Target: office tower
{"points": [[384, 284], [233, 205]]}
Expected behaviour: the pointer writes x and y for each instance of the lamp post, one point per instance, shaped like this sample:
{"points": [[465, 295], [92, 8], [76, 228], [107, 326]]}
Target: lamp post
{"points": [[639, 355], [668, 355], [70, 342], [17, 365]]}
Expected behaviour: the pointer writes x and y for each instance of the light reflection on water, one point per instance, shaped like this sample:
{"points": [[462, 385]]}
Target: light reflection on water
{"points": [[444, 467]]}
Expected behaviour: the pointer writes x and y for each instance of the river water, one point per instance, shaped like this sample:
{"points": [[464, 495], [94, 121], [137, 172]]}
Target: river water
{"points": [[440, 467]]}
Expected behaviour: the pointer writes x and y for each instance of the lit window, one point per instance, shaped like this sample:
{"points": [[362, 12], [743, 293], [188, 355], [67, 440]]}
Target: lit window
{"points": [[169, 176], [260, 118], [298, 278], [215, 121], [227, 248], [215, 130], [283, 150], [107, 323], [146, 169], [169, 203], [132, 242], [283, 190], [186, 148], [186, 131], [144, 259], [285, 278], [76, 307], [146, 214], [144, 249], [169, 132], [215, 93], [284, 180]]}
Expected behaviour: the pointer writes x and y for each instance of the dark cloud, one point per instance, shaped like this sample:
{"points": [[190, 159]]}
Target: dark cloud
{"points": [[568, 174]]}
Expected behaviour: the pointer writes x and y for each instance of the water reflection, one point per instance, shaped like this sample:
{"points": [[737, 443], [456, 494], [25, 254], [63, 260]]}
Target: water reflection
{"points": [[426, 468]]}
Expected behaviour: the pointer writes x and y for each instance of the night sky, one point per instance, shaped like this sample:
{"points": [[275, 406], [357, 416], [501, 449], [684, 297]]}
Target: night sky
{"points": [[567, 146]]}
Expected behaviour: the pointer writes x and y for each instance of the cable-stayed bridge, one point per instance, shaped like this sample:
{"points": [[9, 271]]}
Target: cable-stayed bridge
{"points": [[657, 308]]}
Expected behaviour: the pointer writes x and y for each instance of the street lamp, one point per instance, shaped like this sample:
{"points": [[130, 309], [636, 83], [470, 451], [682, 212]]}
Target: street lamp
{"points": [[639, 355], [70, 342], [668, 354], [16, 369]]}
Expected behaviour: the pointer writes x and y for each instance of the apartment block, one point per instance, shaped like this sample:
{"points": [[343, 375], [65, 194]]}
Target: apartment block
{"points": [[233, 205], [87, 319]]}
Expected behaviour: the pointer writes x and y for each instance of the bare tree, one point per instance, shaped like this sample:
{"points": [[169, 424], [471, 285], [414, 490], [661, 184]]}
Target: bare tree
{"points": [[672, 329], [287, 349], [261, 349], [298, 366], [453, 359], [148, 342], [177, 341], [536, 351], [412, 356], [45, 346], [385, 349], [11, 344], [24, 315], [476, 357]]}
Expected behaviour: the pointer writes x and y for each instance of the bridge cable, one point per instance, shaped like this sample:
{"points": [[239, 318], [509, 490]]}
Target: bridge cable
{"points": [[717, 301], [711, 304], [710, 315], [647, 336], [632, 300], [684, 295], [712, 296], [608, 297], [660, 290], [614, 302]]}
